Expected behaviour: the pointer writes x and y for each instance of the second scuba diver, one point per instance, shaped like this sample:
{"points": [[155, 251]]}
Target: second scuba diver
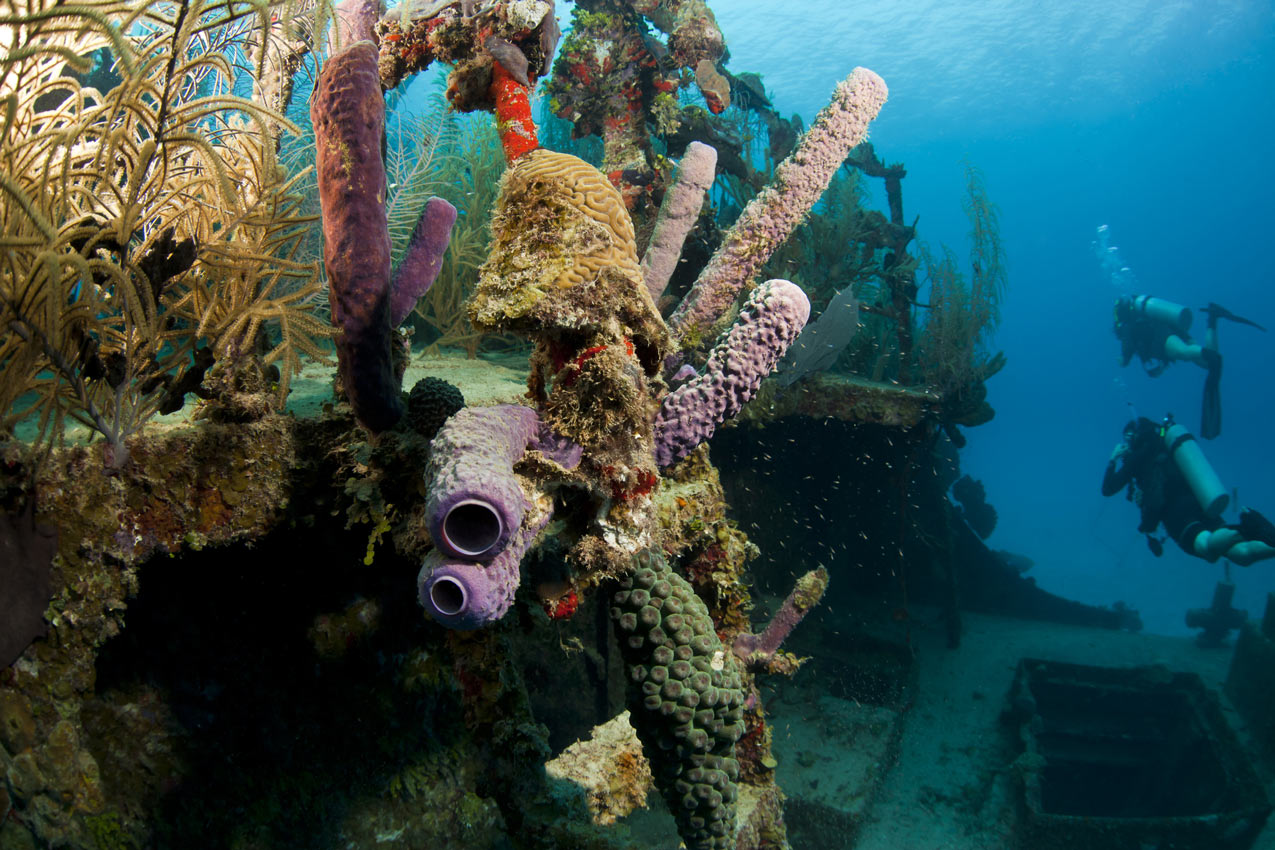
{"points": [[1168, 477]]}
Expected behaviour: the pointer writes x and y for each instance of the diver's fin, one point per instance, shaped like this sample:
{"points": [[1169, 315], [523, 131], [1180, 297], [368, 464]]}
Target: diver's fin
{"points": [[1254, 526], [1217, 311], [1211, 409]]}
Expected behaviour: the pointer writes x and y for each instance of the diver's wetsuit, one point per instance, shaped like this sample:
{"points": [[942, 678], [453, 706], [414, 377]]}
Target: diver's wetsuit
{"points": [[1145, 337], [1163, 493]]}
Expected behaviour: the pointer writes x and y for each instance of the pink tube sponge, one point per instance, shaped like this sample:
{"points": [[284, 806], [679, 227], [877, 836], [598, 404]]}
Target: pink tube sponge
{"points": [[771, 319], [776, 211], [421, 263]]}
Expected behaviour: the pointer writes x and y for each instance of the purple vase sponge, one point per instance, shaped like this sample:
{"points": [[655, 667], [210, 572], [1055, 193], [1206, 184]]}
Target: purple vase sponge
{"points": [[474, 500], [774, 314], [464, 595]]}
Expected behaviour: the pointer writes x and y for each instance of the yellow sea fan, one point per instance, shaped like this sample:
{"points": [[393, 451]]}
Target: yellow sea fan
{"points": [[99, 174]]}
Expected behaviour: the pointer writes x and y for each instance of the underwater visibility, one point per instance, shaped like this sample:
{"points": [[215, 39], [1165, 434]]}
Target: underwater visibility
{"points": [[500, 425]]}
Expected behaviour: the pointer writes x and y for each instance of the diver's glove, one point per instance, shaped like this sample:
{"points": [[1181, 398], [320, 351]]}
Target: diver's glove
{"points": [[1254, 526], [1118, 452]]}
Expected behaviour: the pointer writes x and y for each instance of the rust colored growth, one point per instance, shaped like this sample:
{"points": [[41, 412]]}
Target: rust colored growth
{"points": [[160, 519], [714, 87], [570, 368], [405, 51], [640, 187], [577, 365], [627, 484], [564, 606], [567, 368], [587, 353], [753, 750], [475, 40], [513, 114], [701, 569], [159, 525], [212, 512], [693, 32], [600, 396], [218, 482], [646, 479], [601, 73]]}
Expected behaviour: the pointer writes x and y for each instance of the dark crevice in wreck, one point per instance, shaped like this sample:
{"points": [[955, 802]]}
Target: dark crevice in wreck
{"points": [[275, 665]]}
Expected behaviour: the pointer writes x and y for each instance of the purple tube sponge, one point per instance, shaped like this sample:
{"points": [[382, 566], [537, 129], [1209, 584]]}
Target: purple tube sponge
{"points": [[423, 259], [758, 650], [775, 212], [677, 216], [348, 113], [474, 501], [464, 595], [771, 319]]}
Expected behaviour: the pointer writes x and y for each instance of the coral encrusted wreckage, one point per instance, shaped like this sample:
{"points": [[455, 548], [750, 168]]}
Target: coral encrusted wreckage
{"points": [[592, 492]]}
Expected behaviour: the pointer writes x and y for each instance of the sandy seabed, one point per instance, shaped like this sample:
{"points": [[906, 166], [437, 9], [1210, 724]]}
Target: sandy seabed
{"points": [[945, 781]]}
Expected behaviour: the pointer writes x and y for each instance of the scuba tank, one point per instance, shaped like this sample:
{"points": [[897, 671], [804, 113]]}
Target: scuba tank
{"points": [[1195, 468], [1174, 315]]}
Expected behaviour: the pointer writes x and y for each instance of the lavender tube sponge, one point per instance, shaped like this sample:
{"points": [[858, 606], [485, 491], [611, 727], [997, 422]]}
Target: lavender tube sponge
{"points": [[348, 113], [776, 211], [463, 595], [771, 319], [677, 216], [474, 502], [356, 21]]}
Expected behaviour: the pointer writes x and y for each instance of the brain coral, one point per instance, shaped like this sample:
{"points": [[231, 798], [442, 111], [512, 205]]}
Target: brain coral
{"points": [[563, 253]]}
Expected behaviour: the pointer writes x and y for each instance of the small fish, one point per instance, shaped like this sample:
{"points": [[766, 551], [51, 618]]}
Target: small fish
{"points": [[509, 57]]}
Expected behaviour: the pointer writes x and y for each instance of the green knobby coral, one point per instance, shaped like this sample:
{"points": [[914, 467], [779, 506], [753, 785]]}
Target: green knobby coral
{"points": [[687, 699]]}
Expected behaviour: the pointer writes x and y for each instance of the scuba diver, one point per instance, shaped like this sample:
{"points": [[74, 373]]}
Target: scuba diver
{"points": [[1157, 331], [1168, 477]]}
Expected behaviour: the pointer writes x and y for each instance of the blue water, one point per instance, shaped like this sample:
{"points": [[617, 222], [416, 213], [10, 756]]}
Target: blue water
{"points": [[1154, 118]]}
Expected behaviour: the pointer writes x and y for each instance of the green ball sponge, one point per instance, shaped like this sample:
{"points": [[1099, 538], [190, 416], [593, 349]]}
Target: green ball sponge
{"points": [[686, 696], [430, 403]]}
